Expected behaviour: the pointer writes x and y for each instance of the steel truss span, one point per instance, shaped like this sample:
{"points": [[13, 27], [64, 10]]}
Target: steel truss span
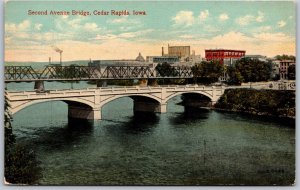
{"points": [[75, 73]]}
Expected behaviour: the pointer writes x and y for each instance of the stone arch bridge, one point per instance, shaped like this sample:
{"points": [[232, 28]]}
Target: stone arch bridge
{"points": [[87, 103]]}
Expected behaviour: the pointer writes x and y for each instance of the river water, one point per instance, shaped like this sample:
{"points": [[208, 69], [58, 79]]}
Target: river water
{"points": [[180, 147]]}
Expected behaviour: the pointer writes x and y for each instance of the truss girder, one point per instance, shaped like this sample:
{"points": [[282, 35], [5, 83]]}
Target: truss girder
{"points": [[19, 73]]}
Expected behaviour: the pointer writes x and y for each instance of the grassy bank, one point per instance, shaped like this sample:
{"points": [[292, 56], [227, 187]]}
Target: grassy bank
{"points": [[259, 102]]}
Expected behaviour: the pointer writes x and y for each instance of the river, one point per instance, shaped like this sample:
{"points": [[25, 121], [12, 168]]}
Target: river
{"points": [[180, 147]]}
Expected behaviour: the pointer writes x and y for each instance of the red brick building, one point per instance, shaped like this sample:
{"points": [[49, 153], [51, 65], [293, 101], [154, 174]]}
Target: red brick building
{"points": [[224, 55]]}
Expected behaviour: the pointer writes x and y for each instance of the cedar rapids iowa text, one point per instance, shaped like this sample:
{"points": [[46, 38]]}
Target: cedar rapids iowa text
{"points": [[87, 13]]}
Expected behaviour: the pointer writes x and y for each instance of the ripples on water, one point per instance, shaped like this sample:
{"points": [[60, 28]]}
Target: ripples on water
{"points": [[180, 147]]}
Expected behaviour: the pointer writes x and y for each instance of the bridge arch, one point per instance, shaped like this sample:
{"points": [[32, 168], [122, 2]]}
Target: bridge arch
{"points": [[152, 97], [25, 104], [188, 92]]}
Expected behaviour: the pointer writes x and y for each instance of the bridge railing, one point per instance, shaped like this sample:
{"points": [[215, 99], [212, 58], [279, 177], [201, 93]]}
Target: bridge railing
{"points": [[271, 85]]}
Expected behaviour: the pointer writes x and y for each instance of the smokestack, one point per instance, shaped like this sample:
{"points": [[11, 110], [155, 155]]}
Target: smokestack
{"points": [[49, 60], [60, 57], [162, 51], [58, 51]]}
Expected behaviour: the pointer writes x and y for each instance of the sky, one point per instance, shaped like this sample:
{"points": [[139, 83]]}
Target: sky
{"points": [[259, 27]]}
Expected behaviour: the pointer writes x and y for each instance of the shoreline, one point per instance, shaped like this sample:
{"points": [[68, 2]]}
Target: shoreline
{"points": [[253, 114]]}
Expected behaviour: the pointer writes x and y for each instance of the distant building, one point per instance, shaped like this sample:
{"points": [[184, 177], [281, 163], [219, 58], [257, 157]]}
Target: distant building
{"points": [[275, 74], [179, 51], [225, 56], [283, 68], [176, 55], [162, 59], [195, 58], [139, 60]]}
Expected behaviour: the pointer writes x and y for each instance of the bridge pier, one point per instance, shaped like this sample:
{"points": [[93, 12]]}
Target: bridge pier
{"points": [[213, 103], [156, 107], [101, 83], [39, 85], [143, 82], [84, 112], [152, 82], [148, 82]]}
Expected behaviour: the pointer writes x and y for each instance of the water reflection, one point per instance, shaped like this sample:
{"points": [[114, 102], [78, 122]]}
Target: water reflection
{"points": [[60, 137], [79, 127], [140, 122], [190, 115]]}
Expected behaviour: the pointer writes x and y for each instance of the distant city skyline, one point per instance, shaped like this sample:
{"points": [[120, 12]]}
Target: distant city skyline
{"points": [[261, 27]]}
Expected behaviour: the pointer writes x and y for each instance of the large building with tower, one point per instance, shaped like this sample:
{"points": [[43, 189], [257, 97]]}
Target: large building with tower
{"points": [[225, 56]]}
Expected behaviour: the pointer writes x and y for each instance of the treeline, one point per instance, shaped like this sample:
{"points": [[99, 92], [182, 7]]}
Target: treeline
{"points": [[259, 102], [207, 72], [285, 57], [244, 70]]}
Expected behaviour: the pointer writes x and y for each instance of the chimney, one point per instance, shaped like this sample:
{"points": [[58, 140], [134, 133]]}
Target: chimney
{"points": [[60, 56], [162, 51], [49, 60]]}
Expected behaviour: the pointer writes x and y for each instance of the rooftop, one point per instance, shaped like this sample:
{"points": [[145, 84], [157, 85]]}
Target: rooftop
{"points": [[287, 61], [223, 50]]}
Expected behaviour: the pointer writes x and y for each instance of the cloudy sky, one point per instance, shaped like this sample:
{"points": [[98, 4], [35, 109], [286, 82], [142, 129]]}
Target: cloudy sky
{"points": [[266, 28]]}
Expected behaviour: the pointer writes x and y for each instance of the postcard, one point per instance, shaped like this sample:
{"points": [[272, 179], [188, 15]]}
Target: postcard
{"points": [[195, 93]]}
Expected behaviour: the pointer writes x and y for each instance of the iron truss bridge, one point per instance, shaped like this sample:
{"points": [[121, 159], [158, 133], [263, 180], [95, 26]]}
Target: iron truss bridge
{"points": [[77, 73]]}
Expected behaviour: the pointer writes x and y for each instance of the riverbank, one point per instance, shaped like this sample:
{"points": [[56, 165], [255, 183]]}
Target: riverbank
{"points": [[277, 103]]}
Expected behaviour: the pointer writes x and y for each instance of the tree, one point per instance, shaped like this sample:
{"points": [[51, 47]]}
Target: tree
{"points": [[292, 72], [9, 136], [207, 72], [20, 163], [253, 70], [285, 57], [166, 70], [235, 77]]}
